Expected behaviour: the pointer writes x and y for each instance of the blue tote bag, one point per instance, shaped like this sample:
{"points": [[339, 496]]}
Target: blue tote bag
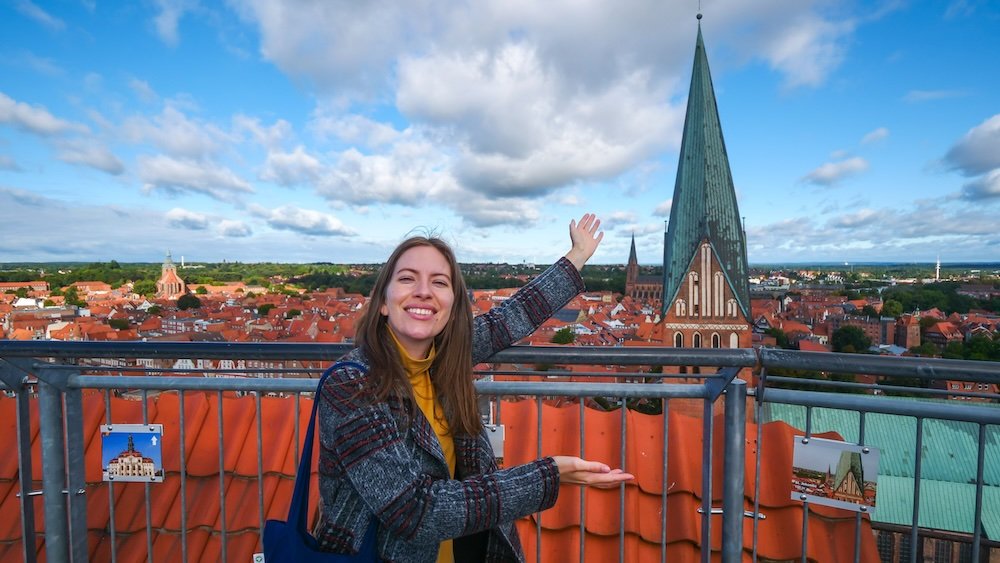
{"points": [[289, 541]]}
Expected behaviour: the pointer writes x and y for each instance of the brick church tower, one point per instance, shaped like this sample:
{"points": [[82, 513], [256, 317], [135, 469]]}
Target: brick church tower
{"points": [[170, 285], [706, 296]]}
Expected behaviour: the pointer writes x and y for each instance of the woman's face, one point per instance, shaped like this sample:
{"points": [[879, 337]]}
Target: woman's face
{"points": [[418, 299]]}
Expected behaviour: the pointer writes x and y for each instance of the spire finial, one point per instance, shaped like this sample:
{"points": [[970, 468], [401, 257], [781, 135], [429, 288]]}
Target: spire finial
{"points": [[699, 14]]}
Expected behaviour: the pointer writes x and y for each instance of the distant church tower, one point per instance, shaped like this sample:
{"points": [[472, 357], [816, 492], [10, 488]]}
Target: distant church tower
{"points": [[170, 285], [706, 295], [645, 289]]}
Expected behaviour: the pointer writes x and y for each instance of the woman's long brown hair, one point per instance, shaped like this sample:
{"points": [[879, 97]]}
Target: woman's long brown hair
{"points": [[451, 370]]}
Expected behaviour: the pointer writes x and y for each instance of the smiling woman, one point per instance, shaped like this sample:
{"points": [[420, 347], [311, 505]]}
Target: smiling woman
{"points": [[402, 442]]}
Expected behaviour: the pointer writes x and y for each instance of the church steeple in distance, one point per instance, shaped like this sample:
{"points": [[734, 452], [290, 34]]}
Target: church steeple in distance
{"points": [[631, 270], [705, 242]]}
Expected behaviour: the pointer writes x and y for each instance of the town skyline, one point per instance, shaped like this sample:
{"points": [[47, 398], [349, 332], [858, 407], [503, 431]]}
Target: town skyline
{"points": [[253, 133]]}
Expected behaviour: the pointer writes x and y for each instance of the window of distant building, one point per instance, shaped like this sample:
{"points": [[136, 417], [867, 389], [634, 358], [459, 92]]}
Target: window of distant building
{"points": [[678, 340], [731, 308], [681, 308], [718, 293], [693, 293], [716, 340], [697, 340]]}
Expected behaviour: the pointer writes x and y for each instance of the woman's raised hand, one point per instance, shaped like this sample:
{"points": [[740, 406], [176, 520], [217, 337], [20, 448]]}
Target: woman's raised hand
{"points": [[585, 238], [577, 471]]}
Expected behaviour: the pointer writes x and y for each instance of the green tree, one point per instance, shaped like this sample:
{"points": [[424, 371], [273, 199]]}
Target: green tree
{"points": [[292, 313], [154, 310], [201, 290], [779, 336], [49, 303], [118, 324], [144, 287], [188, 301], [264, 309], [926, 350], [850, 339], [21, 292], [892, 308], [981, 347], [72, 297], [954, 351], [563, 336], [869, 311]]}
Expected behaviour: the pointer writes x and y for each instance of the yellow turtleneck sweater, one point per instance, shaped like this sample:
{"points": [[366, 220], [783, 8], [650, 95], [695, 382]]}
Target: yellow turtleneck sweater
{"points": [[419, 374]]}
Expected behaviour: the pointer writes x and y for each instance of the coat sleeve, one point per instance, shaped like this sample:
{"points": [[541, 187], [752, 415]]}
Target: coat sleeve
{"points": [[361, 444], [520, 315]]}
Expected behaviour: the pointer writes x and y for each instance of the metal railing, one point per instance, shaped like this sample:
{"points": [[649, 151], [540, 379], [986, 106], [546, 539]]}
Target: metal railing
{"points": [[57, 372]]}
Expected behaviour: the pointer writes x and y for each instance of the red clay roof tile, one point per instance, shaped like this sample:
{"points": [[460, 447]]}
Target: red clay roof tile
{"points": [[831, 531]]}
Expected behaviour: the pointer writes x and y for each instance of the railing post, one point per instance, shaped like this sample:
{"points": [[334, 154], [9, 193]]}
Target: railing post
{"points": [[76, 497], [734, 471], [706, 483], [12, 374], [50, 419]]}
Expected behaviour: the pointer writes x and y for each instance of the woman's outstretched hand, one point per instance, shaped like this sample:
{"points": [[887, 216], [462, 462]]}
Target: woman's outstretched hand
{"points": [[585, 238], [576, 471]]}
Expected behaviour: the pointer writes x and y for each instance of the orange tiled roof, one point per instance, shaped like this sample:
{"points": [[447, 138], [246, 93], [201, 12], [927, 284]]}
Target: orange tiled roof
{"points": [[831, 531]]}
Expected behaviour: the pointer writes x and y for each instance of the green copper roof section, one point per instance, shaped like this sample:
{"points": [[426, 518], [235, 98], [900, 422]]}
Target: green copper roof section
{"points": [[704, 204], [948, 463]]}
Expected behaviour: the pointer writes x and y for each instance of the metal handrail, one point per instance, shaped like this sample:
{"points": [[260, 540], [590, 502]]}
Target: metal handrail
{"points": [[48, 368]]}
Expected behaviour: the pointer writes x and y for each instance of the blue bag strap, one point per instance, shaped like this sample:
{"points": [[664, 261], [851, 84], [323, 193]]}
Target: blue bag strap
{"points": [[299, 507]]}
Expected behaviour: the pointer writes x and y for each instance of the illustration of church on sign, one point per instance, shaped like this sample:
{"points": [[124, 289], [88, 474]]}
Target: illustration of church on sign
{"points": [[131, 463]]}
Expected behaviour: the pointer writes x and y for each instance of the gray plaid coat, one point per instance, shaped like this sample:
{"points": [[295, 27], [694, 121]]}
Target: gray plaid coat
{"points": [[376, 459]]}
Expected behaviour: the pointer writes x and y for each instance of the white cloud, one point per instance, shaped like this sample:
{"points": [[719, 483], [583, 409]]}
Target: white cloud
{"points": [[986, 186], [520, 100], [166, 21], [353, 128], [41, 65], [978, 151], [942, 226], [143, 90], [174, 175], [808, 50], [875, 136], [183, 218], [89, 152], [413, 173], [8, 163], [483, 212], [175, 133], [32, 11], [289, 169], [271, 137], [518, 129], [833, 172], [34, 119], [305, 221], [617, 219], [234, 229], [663, 209], [857, 219], [931, 95]]}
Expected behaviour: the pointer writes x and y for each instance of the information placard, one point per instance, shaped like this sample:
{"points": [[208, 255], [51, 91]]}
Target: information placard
{"points": [[835, 473], [132, 452]]}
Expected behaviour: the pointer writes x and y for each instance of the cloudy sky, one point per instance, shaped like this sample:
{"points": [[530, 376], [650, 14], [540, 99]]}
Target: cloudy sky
{"points": [[327, 130]]}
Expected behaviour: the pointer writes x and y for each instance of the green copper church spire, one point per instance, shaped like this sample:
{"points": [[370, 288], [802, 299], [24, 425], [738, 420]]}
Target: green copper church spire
{"points": [[704, 204]]}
